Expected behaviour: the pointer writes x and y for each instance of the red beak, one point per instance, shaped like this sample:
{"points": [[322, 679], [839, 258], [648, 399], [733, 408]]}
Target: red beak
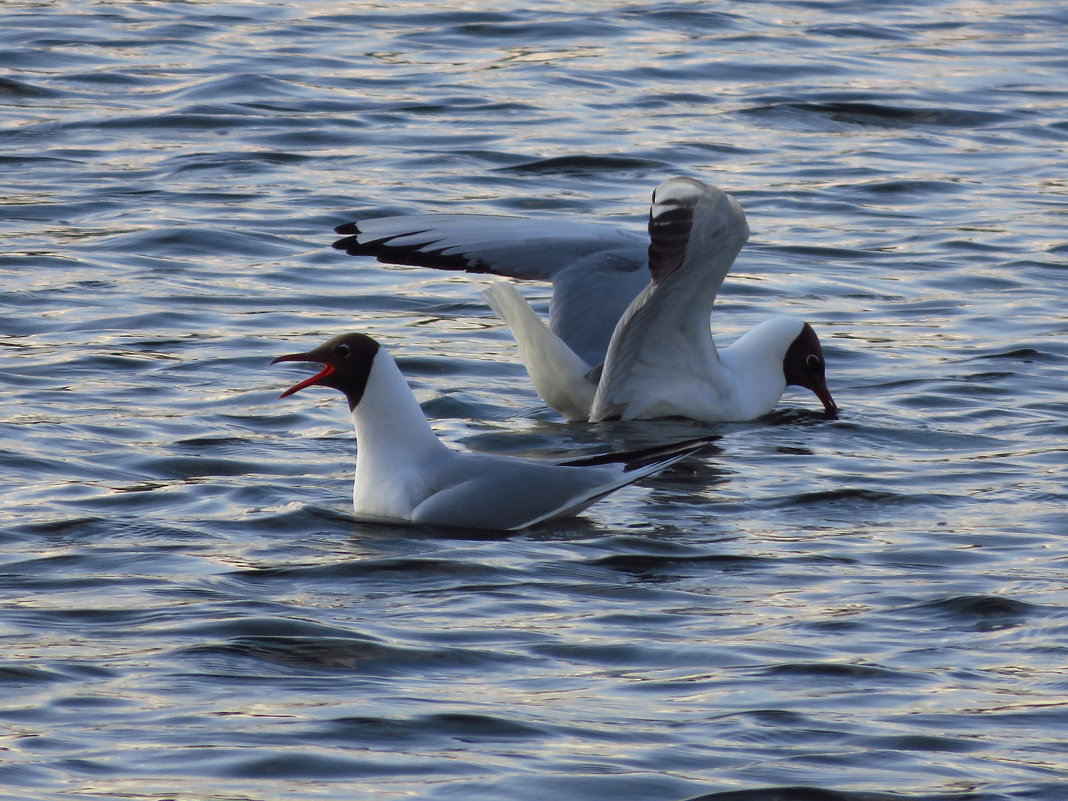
{"points": [[307, 382], [824, 395]]}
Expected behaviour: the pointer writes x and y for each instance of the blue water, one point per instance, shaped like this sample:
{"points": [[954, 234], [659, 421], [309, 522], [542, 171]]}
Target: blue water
{"points": [[869, 607]]}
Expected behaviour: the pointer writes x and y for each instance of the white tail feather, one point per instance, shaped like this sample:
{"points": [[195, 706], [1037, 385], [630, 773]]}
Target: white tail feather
{"points": [[557, 372]]}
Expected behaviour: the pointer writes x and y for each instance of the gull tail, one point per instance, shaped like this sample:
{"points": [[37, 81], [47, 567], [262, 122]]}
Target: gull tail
{"points": [[559, 375], [629, 466], [645, 460]]}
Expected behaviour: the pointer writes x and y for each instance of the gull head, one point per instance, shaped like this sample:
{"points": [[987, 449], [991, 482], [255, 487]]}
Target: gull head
{"points": [[346, 361], [803, 366]]}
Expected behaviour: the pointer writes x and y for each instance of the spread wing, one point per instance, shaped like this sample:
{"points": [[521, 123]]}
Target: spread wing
{"points": [[595, 270], [662, 344]]}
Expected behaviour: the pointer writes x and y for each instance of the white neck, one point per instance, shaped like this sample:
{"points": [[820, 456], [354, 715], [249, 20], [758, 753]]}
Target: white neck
{"points": [[755, 362], [391, 430]]}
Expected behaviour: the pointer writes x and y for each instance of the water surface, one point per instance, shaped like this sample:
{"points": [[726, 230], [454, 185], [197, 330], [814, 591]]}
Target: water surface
{"points": [[811, 610]]}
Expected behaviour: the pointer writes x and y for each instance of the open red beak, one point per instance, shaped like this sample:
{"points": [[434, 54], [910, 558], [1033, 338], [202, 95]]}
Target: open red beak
{"points": [[307, 382]]}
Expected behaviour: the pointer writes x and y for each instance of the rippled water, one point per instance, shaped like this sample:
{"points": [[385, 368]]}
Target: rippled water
{"points": [[812, 610]]}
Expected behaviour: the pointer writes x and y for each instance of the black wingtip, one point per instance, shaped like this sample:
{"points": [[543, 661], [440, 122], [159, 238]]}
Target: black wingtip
{"points": [[349, 243], [415, 254], [643, 456], [348, 228]]}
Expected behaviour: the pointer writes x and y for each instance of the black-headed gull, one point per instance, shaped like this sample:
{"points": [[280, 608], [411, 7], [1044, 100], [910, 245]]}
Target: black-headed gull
{"points": [[628, 335], [404, 473]]}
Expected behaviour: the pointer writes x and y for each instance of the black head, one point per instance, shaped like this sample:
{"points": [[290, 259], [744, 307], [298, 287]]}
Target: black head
{"points": [[347, 364], [803, 367]]}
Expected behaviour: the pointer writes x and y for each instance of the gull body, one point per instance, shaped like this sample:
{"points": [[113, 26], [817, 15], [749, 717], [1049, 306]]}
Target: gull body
{"points": [[628, 335], [404, 473]]}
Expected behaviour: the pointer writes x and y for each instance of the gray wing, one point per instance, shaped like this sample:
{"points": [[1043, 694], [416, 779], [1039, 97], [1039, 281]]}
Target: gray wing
{"points": [[663, 339], [494, 491], [595, 270], [502, 492], [590, 296]]}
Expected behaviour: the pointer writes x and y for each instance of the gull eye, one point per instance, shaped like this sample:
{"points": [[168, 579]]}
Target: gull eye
{"points": [[343, 351], [813, 362]]}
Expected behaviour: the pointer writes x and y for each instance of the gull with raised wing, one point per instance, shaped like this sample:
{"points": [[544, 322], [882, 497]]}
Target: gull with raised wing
{"points": [[628, 335], [404, 473]]}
